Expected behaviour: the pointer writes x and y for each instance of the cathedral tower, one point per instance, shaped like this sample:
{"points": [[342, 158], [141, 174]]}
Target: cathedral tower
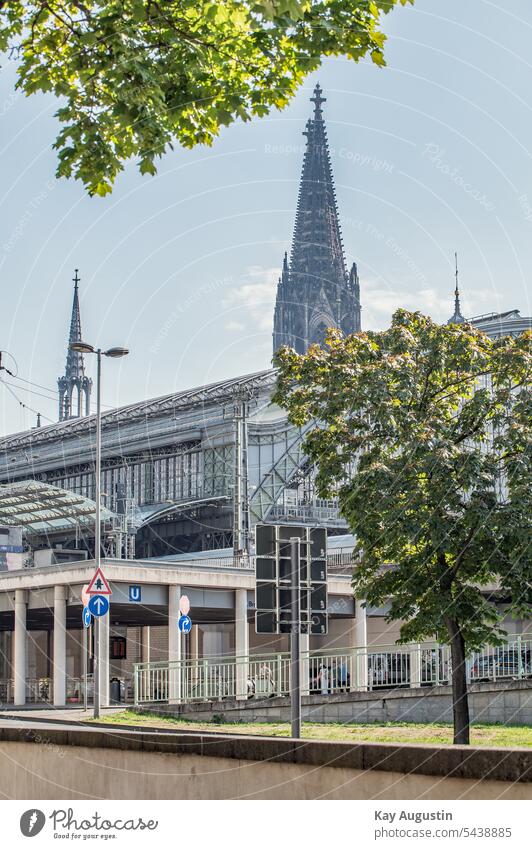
{"points": [[315, 291], [74, 387]]}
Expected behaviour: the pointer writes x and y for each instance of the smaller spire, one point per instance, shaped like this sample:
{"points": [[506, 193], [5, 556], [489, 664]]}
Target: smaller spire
{"points": [[457, 318], [74, 386]]}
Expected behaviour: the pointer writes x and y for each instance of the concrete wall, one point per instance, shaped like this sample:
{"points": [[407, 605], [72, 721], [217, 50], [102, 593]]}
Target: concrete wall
{"points": [[110, 764], [507, 702]]}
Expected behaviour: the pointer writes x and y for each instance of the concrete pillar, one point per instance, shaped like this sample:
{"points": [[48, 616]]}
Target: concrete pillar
{"points": [[145, 649], [19, 650], [174, 643], [304, 646], [59, 664], [194, 643], [415, 666], [241, 643], [103, 665], [361, 642]]}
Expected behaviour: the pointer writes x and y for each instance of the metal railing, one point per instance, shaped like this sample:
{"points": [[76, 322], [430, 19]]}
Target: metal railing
{"points": [[324, 672], [39, 690], [340, 561]]}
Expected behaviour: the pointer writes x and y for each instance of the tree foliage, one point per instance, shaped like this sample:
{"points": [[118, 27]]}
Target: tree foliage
{"points": [[437, 420], [133, 76]]}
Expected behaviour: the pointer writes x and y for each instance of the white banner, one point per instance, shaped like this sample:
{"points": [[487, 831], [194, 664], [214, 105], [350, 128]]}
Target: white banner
{"points": [[265, 825]]}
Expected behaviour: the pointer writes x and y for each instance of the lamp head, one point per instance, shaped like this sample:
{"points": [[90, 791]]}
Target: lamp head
{"points": [[116, 352], [82, 348]]}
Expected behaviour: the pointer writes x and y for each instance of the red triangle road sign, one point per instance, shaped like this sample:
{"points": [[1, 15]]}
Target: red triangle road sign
{"points": [[99, 584]]}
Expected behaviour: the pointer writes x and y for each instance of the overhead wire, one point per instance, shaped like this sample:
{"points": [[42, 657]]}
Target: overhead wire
{"points": [[22, 404]]}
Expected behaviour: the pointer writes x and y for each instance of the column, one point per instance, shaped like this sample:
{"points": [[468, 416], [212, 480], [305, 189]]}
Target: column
{"points": [[174, 644], [415, 666], [145, 650], [361, 642], [19, 648], [59, 663], [194, 643], [194, 655], [241, 643], [103, 665]]}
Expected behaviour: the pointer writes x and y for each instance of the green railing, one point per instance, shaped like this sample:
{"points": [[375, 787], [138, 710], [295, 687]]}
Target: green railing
{"points": [[324, 672]]}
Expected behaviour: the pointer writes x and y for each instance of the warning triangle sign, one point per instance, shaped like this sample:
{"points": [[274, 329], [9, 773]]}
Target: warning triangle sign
{"points": [[99, 584]]}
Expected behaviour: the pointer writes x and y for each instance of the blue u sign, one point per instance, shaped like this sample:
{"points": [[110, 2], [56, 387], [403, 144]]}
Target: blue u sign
{"points": [[134, 593]]}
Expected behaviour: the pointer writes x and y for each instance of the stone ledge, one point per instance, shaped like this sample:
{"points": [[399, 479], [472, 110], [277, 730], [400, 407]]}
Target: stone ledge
{"points": [[499, 687], [457, 761]]}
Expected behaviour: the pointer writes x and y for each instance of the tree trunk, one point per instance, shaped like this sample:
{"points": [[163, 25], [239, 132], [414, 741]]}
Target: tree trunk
{"points": [[459, 683]]}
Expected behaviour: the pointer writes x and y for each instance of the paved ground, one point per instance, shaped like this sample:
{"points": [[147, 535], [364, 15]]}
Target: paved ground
{"points": [[71, 714], [51, 718]]}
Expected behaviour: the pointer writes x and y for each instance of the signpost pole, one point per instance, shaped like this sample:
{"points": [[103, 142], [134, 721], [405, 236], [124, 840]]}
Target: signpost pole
{"points": [[295, 688], [97, 529], [96, 669], [84, 650]]}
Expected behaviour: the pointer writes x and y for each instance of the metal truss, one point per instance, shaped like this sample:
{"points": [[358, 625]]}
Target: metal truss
{"points": [[280, 474], [248, 386]]}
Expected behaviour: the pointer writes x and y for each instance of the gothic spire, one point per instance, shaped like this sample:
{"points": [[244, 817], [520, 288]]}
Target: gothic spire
{"points": [[315, 291], [74, 387], [74, 362], [317, 242], [457, 317]]}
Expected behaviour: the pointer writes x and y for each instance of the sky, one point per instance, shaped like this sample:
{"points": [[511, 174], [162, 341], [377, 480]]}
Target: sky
{"points": [[430, 155]]}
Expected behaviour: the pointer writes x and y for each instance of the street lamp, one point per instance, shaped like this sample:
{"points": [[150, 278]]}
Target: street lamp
{"points": [[84, 348]]}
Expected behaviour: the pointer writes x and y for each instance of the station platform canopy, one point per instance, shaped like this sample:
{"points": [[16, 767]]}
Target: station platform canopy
{"points": [[38, 507]]}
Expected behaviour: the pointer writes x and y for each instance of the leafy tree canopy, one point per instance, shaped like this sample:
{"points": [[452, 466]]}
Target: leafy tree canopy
{"points": [[133, 76], [437, 421]]}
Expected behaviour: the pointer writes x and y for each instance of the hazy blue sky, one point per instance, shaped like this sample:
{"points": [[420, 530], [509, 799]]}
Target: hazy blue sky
{"points": [[430, 155]]}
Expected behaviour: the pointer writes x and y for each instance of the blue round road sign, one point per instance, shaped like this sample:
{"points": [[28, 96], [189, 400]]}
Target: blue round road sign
{"points": [[86, 617], [98, 605], [185, 624]]}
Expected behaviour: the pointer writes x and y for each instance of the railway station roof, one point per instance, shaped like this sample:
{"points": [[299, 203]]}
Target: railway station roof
{"points": [[37, 506]]}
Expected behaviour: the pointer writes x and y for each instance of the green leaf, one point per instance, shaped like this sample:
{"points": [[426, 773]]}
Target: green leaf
{"points": [[148, 78]]}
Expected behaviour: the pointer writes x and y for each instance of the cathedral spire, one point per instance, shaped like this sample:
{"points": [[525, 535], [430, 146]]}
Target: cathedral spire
{"points": [[74, 387], [315, 291], [457, 317]]}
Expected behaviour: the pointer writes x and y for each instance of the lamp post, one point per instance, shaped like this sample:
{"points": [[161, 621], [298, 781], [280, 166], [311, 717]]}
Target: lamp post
{"points": [[84, 348]]}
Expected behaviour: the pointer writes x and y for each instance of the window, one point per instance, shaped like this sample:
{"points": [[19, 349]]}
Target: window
{"points": [[117, 648]]}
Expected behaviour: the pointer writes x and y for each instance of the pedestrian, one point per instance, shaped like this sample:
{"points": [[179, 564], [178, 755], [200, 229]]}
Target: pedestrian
{"points": [[323, 679]]}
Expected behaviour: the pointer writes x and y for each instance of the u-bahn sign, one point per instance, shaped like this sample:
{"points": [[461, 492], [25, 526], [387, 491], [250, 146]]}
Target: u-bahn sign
{"points": [[273, 579]]}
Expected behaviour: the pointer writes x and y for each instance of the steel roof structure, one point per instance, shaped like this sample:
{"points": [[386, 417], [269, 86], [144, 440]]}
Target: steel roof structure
{"points": [[246, 386], [37, 506]]}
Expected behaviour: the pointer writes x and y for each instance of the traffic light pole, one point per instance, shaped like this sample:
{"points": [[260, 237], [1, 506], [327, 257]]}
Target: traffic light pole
{"points": [[295, 682]]}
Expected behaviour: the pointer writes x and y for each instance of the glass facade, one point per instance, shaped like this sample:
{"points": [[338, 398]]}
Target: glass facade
{"points": [[172, 475]]}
